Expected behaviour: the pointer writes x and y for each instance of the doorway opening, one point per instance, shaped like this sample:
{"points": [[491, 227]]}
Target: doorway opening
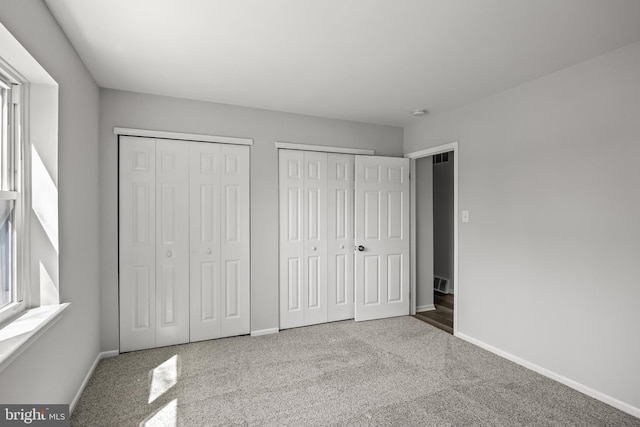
{"points": [[434, 244]]}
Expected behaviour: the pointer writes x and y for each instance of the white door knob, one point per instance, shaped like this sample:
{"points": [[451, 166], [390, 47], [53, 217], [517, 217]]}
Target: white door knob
{"points": [[209, 251], [313, 248], [169, 254], [341, 246]]}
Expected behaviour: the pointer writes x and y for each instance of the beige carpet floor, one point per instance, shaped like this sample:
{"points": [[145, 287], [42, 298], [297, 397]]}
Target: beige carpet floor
{"points": [[391, 372]]}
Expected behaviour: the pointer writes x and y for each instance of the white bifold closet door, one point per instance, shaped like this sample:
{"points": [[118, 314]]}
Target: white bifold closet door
{"points": [[340, 233], [183, 241], [154, 244], [219, 240], [172, 243], [316, 237], [137, 243]]}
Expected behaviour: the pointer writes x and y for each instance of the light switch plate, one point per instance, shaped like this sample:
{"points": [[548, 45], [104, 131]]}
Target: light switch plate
{"points": [[465, 216]]}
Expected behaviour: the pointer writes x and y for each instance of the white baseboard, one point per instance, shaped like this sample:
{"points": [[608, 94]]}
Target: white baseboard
{"points": [[427, 307], [625, 407], [264, 332], [100, 356]]}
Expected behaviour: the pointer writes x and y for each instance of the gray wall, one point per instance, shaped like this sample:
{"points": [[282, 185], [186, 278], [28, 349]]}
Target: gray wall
{"points": [[424, 231], [44, 232], [443, 218], [549, 172], [52, 369], [127, 109]]}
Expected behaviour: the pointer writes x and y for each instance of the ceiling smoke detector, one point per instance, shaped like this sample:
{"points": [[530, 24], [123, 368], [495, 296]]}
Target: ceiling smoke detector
{"points": [[419, 112]]}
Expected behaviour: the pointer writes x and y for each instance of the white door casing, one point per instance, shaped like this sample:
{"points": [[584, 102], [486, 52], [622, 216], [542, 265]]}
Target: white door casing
{"points": [[382, 229], [137, 237], [452, 146], [172, 242], [340, 239]]}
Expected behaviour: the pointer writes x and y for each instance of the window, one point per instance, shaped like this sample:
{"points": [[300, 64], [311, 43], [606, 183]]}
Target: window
{"points": [[11, 197], [29, 251]]}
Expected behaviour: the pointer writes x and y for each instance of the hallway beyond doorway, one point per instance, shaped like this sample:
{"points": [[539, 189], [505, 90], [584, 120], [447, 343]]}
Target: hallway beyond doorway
{"points": [[442, 316]]}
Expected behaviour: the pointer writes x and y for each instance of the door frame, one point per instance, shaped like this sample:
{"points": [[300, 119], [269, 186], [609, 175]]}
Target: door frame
{"points": [[413, 156]]}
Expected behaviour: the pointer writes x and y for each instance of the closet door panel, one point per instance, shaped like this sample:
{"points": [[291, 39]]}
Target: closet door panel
{"points": [[204, 182], [172, 242], [292, 270], [137, 239], [314, 293], [235, 237], [340, 236]]}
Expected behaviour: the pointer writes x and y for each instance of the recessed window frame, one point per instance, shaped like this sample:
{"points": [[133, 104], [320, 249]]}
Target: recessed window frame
{"points": [[38, 271]]}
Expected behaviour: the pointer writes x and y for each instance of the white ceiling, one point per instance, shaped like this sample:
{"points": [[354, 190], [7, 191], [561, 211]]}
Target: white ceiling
{"points": [[365, 60]]}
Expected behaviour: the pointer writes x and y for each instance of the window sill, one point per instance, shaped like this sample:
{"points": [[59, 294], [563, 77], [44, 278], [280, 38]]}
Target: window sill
{"points": [[18, 335]]}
